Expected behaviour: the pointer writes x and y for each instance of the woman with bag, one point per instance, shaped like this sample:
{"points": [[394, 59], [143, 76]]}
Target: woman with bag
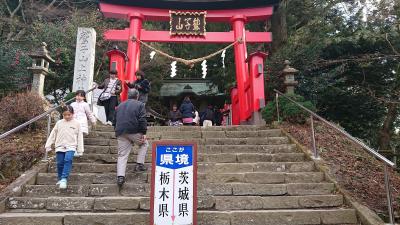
{"points": [[108, 98]]}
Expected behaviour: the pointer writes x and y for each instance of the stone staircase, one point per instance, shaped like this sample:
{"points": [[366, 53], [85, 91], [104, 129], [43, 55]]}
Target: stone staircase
{"points": [[247, 175]]}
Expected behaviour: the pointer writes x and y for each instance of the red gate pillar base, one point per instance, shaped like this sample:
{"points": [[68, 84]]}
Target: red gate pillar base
{"points": [[235, 107], [256, 119], [257, 91]]}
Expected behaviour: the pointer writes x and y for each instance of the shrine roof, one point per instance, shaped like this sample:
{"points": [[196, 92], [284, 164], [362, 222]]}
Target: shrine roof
{"points": [[194, 4], [176, 87]]}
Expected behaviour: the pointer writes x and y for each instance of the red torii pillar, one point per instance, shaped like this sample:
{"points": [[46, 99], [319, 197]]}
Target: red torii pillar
{"points": [[238, 25], [135, 27]]}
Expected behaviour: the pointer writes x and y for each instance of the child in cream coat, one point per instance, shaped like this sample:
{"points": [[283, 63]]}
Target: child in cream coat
{"points": [[67, 138]]}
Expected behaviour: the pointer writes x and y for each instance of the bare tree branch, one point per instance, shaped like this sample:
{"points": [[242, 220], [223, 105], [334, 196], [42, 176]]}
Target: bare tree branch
{"points": [[9, 35], [393, 49], [19, 35], [383, 99], [18, 23], [62, 1], [48, 7], [364, 58], [16, 9], [102, 60], [23, 13], [8, 8]]}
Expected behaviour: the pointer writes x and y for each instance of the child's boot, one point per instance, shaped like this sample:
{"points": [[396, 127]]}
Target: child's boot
{"points": [[63, 184]]}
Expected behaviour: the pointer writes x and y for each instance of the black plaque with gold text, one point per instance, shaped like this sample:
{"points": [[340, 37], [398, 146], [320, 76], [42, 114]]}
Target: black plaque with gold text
{"points": [[187, 23]]}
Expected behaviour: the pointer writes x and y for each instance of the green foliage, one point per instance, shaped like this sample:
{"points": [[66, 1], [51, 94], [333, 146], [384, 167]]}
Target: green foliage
{"points": [[13, 73], [288, 111], [61, 39], [359, 114], [56, 25], [69, 96], [348, 59]]}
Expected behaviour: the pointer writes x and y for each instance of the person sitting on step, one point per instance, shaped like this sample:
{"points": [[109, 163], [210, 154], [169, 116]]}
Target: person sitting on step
{"points": [[130, 128], [175, 117], [67, 138]]}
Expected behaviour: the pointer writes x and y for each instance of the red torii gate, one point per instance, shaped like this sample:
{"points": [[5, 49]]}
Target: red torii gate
{"points": [[246, 97]]}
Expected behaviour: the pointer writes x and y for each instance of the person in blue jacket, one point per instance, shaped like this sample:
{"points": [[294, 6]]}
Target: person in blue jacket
{"points": [[188, 111]]}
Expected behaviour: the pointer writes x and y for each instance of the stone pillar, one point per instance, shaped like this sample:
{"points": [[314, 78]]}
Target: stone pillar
{"points": [[38, 83], [40, 68], [84, 61], [289, 73]]}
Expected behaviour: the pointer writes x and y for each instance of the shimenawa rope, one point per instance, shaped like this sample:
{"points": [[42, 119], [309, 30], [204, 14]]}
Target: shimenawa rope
{"points": [[188, 62]]}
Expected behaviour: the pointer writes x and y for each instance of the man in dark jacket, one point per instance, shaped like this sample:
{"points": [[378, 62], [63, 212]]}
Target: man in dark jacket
{"points": [[208, 117], [142, 85], [130, 128]]}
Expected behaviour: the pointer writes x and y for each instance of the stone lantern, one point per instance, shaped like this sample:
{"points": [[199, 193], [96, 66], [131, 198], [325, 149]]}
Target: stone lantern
{"points": [[40, 68], [289, 73]]}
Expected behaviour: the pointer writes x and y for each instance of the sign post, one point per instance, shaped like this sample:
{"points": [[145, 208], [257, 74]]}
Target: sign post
{"points": [[174, 183], [84, 61]]}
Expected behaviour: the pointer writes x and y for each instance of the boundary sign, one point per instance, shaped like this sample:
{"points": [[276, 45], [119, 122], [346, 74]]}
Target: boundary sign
{"points": [[173, 199]]}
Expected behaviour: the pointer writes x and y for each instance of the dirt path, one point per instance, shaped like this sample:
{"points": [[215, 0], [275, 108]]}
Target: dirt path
{"points": [[354, 169]]}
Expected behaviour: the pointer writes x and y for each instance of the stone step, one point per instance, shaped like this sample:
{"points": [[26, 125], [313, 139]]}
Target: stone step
{"points": [[268, 149], [242, 134], [151, 129], [217, 158], [204, 189], [207, 141], [256, 178], [210, 149], [197, 134], [219, 203], [307, 166], [239, 217]]}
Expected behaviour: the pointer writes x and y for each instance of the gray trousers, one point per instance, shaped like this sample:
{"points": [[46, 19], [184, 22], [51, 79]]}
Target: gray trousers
{"points": [[125, 144]]}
